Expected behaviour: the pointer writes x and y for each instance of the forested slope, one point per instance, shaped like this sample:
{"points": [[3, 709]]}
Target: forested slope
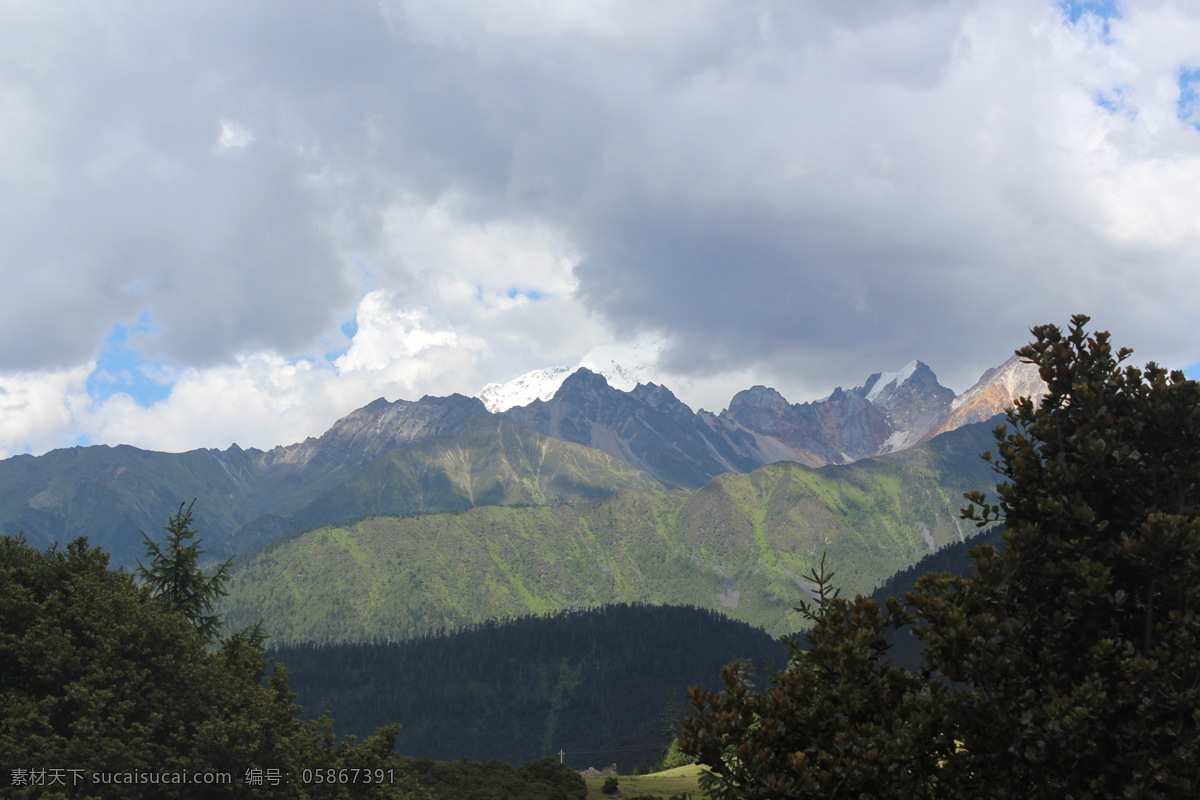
{"points": [[600, 685]]}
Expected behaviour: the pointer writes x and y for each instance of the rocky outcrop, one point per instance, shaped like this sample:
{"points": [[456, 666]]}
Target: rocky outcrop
{"points": [[889, 412]]}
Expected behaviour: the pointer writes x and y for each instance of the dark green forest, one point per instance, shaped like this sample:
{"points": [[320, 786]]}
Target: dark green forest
{"points": [[604, 685], [110, 689]]}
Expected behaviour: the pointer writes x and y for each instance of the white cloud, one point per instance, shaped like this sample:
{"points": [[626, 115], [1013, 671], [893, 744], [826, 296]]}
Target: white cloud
{"points": [[263, 399], [233, 136], [40, 410]]}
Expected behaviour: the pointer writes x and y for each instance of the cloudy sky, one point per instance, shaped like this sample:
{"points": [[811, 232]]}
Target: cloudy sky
{"points": [[237, 221]]}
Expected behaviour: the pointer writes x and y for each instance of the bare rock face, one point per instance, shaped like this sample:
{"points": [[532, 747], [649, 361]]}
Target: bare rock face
{"points": [[648, 427], [889, 412], [996, 391]]}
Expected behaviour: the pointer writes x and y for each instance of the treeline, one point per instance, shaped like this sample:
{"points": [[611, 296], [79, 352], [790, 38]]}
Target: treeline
{"points": [[602, 684]]}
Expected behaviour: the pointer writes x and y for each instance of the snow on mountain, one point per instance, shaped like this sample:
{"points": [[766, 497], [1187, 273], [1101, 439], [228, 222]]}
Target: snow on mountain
{"points": [[623, 366], [538, 384], [889, 378]]}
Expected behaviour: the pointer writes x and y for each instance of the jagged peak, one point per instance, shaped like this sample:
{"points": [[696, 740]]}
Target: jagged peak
{"points": [[878, 383], [655, 395], [759, 396]]}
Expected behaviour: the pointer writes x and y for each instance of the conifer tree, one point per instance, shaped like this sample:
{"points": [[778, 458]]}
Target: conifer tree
{"points": [[175, 578]]}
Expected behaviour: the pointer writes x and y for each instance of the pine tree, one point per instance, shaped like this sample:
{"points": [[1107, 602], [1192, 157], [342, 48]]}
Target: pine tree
{"points": [[175, 578]]}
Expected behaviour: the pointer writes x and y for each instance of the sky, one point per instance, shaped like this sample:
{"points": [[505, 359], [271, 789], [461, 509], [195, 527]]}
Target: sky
{"points": [[238, 221]]}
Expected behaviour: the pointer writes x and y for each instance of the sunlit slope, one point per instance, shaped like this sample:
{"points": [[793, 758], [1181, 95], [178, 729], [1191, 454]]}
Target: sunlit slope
{"points": [[485, 461], [246, 498], [740, 544]]}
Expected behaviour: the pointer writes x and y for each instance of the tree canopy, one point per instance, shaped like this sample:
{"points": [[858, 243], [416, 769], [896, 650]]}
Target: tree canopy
{"points": [[105, 692], [1065, 666]]}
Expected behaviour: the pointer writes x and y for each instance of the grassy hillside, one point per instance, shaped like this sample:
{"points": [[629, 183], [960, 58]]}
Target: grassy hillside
{"points": [[739, 544], [485, 461], [675, 782]]}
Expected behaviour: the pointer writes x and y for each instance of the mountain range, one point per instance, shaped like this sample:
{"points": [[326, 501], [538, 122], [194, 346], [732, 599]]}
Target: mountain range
{"points": [[650, 428], [449, 454], [741, 544]]}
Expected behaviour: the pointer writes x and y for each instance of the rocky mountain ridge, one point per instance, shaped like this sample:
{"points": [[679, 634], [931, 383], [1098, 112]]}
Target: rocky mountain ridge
{"points": [[650, 428], [996, 390], [450, 453]]}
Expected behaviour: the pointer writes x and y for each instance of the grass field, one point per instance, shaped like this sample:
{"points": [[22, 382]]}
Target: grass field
{"points": [[658, 784]]}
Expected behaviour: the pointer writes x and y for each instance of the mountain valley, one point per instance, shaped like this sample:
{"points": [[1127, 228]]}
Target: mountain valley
{"points": [[413, 529]]}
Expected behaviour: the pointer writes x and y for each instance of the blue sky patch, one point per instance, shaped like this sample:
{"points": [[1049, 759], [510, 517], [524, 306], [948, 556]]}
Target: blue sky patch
{"points": [[120, 369], [1104, 9], [1090, 11], [1187, 109], [515, 291], [348, 328], [1112, 101]]}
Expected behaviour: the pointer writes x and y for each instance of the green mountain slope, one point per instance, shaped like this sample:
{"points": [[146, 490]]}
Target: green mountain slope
{"points": [[740, 544], [109, 494], [247, 497], [484, 461]]}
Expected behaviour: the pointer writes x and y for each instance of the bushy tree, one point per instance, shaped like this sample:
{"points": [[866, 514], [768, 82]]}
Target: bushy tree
{"points": [[1067, 666], [839, 722]]}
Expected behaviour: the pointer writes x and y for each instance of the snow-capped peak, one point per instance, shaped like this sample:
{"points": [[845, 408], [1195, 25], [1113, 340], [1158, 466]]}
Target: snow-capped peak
{"points": [[889, 378], [538, 384], [623, 366]]}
